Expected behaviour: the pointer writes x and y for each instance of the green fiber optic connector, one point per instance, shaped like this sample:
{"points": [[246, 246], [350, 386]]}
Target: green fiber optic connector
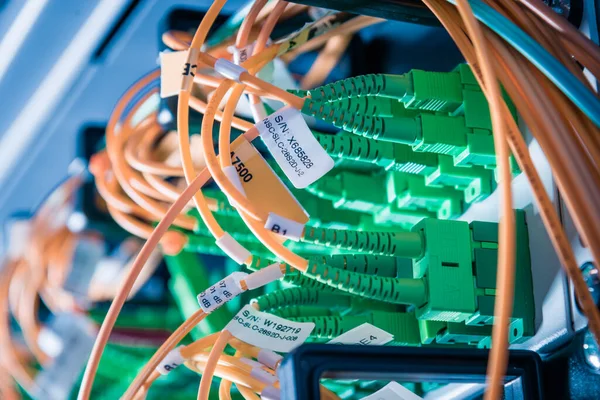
{"points": [[459, 266], [410, 192], [476, 182], [391, 290], [302, 296], [433, 91], [352, 191]]}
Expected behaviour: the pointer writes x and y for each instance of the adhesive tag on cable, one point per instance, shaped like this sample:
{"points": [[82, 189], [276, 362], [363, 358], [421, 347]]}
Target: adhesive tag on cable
{"points": [[365, 334], [172, 360], [284, 227], [262, 185], [393, 391], [56, 380], [268, 331], [221, 292], [171, 64], [294, 147]]}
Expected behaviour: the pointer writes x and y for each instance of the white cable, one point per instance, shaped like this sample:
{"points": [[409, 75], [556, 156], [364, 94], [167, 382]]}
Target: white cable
{"points": [[233, 249]]}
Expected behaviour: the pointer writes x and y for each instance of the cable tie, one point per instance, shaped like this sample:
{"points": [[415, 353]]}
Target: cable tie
{"points": [[172, 360], [229, 70], [233, 249], [221, 292], [264, 276]]}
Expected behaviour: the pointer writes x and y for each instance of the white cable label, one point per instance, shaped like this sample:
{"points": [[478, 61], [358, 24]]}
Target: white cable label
{"points": [[221, 292], [264, 276], [294, 147], [268, 331], [233, 249], [170, 72], [171, 361], [365, 334], [393, 391], [284, 226]]}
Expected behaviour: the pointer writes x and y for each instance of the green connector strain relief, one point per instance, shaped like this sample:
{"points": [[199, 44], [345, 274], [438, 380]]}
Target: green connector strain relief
{"points": [[390, 290], [301, 296], [373, 106], [357, 148], [301, 311], [361, 263], [398, 244], [433, 91], [395, 129], [332, 327], [364, 85]]}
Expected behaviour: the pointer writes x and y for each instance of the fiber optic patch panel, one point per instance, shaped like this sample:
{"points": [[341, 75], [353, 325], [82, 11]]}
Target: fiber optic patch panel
{"points": [[263, 199]]}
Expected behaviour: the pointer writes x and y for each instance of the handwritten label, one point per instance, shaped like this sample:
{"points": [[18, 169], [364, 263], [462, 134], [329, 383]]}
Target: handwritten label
{"points": [[268, 331], [294, 147]]}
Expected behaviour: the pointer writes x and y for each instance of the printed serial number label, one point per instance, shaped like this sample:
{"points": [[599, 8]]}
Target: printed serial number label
{"points": [[294, 147], [268, 331]]}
